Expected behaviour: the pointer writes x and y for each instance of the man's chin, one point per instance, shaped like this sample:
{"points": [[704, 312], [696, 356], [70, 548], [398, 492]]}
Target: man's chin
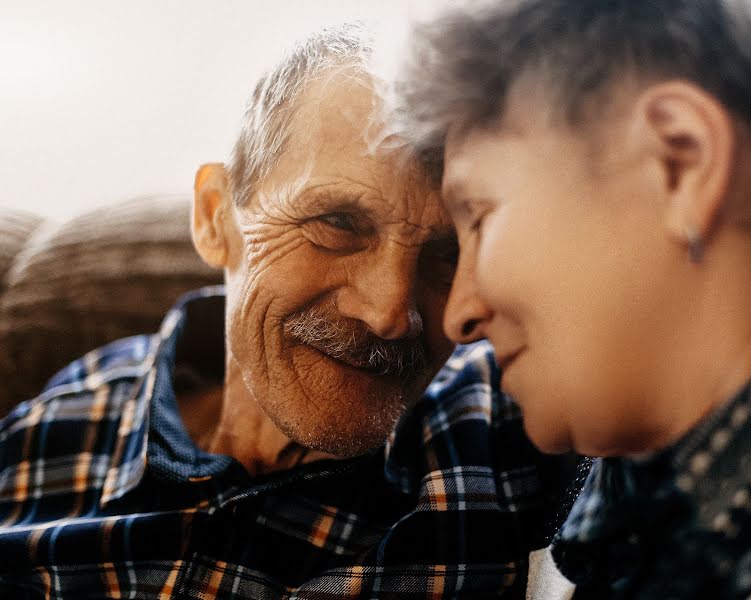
{"points": [[342, 438], [336, 408], [339, 446]]}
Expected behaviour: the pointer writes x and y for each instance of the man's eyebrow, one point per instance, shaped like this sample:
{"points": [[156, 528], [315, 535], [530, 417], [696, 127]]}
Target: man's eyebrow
{"points": [[328, 198]]}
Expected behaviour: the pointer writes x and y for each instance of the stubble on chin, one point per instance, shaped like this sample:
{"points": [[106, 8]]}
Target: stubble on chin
{"points": [[324, 410]]}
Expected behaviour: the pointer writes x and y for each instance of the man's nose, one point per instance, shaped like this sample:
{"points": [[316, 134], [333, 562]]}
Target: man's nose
{"points": [[466, 315], [381, 294]]}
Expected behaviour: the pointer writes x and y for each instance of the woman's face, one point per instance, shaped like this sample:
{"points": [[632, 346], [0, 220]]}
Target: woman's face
{"points": [[565, 266]]}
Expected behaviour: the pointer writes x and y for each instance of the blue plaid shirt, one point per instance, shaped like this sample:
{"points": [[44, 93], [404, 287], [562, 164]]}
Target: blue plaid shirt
{"points": [[104, 495], [674, 525]]}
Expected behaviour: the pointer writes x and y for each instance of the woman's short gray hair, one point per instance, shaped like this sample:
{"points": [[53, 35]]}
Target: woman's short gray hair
{"points": [[460, 66], [272, 105]]}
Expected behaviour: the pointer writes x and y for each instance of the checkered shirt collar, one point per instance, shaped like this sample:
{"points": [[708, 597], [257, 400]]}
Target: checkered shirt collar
{"points": [[150, 402], [623, 495]]}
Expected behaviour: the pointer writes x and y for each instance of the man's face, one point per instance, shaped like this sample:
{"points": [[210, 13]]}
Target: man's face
{"points": [[563, 267], [339, 269]]}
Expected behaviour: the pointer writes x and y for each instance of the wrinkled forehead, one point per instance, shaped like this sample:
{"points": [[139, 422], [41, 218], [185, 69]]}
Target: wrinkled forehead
{"points": [[332, 144]]}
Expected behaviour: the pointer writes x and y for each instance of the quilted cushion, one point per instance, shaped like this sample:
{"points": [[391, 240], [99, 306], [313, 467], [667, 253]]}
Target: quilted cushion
{"points": [[70, 287]]}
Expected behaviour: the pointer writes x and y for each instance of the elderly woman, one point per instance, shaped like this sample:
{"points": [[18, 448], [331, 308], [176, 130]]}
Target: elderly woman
{"points": [[597, 164]]}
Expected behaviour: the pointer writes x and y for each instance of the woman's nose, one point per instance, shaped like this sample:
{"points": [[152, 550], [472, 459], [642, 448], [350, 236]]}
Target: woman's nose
{"points": [[466, 315]]}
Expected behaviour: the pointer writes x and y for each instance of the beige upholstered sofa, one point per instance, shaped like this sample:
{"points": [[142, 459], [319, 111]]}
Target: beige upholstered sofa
{"points": [[68, 287]]}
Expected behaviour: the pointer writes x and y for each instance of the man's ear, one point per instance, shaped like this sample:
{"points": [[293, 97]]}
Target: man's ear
{"points": [[693, 136], [210, 205]]}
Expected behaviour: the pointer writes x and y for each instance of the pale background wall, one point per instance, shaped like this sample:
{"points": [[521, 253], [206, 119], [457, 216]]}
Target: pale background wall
{"points": [[103, 100]]}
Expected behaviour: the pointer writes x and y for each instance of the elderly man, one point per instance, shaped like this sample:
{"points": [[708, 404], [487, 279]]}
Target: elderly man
{"points": [[251, 464]]}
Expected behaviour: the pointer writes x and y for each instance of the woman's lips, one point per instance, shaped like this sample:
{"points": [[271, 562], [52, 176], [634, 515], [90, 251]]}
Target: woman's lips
{"points": [[504, 360]]}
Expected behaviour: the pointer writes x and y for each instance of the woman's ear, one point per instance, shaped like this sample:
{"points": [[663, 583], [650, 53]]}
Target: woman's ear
{"points": [[210, 204], [694, 140]]}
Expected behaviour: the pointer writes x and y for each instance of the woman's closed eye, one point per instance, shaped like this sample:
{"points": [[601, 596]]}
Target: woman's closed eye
{"points": [[476, 212], [475, 224]]}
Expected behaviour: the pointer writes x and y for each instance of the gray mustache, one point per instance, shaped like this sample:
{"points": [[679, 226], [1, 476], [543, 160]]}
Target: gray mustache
{"points": [[338, 339]]}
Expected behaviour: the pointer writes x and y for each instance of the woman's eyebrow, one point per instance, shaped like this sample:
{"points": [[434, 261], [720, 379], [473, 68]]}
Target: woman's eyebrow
{"points": [[451, 192], [458, 198]]}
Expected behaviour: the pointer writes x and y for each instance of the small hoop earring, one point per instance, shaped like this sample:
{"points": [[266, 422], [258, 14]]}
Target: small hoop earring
{"points": [[695, 244]]}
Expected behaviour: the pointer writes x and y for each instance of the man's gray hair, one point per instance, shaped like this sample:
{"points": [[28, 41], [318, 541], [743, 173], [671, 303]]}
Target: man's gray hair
{"points": [[272, 106], [461, 65]]}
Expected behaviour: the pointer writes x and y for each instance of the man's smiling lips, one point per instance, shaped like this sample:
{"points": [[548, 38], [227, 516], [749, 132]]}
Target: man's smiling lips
{"points": [[346, 360]]}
